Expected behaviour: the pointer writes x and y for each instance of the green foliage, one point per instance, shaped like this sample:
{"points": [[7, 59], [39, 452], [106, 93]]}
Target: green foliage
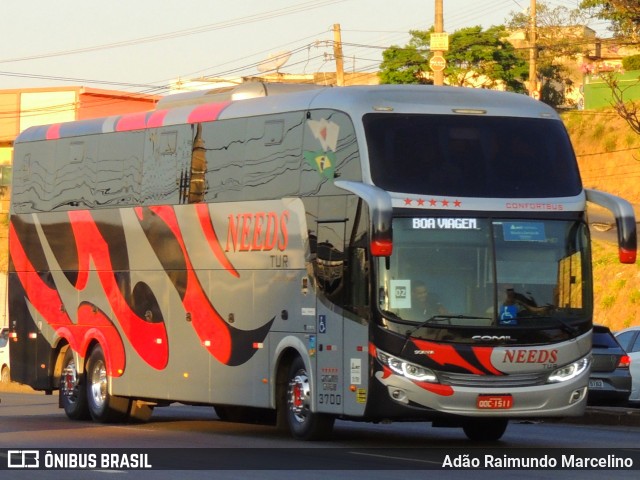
{"points": [[484, 58], [554, 40], [631, 63], [476, 57], [574, 122], [406, 65], [610, 144], [402, 65], [620, 283], [603, 257], [598, 130], [551, 95], [608, 301], [624, 15]]}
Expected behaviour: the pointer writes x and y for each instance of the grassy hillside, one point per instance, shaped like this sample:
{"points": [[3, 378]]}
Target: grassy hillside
{"points": [[609, 158]]}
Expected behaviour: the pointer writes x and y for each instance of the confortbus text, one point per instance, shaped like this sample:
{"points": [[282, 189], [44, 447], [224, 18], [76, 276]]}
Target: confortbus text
{"points": [[609, 461]]}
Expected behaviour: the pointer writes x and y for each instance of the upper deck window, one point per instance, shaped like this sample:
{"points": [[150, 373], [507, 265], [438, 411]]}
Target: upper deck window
{"points": [[471, 156]]}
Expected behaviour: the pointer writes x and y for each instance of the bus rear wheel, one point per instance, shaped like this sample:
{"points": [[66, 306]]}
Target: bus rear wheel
{"points": [[303, 423], [73, 396], [103, 406], [485, 429]]}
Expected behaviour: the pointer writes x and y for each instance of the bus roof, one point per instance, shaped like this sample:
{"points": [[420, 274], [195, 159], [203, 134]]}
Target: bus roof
{"points": [[355, 101]]}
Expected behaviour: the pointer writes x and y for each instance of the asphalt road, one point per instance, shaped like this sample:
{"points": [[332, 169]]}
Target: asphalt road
{"points": [[200, 443]]}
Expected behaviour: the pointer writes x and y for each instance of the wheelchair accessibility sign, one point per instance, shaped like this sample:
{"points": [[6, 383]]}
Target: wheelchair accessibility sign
{"points": [[322, 323]]}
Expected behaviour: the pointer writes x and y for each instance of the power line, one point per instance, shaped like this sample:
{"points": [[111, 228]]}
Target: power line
{"points": [[77, 80], [309, 5]]}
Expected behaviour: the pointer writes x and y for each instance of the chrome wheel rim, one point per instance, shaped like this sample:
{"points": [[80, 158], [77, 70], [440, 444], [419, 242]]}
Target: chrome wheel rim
{"points": [[69, 382], [98, 381], [299, 396]]}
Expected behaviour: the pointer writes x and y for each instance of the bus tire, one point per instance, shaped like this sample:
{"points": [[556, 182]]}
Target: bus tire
{"points": [[485, 429], [72, 393], [303, 423], [103, 407]]}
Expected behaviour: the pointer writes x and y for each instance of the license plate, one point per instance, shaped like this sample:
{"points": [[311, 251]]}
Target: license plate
{"points": [[596, 384], [495, 402]]}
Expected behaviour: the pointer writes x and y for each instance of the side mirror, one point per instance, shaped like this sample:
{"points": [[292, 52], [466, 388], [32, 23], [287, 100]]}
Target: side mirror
{"points": [[381, 210], [625, 222]]}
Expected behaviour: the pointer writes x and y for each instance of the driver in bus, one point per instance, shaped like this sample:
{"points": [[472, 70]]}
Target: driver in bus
{"points": [[423, 304]]}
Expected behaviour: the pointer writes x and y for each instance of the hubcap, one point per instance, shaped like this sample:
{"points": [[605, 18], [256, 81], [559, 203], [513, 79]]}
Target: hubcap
{"points": [[69, 382], [299, 396], [98, 381]]}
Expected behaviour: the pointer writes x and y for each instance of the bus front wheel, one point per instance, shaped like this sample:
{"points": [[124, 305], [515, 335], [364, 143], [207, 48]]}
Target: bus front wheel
{"points": [[303, 423], [103, 406]]}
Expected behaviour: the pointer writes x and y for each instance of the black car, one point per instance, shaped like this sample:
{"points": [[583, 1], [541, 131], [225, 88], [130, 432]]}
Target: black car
{"points": [[610, 380]]}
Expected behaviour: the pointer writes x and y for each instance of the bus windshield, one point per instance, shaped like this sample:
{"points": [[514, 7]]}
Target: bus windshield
{"points": [[486, 272], [471, 156]]}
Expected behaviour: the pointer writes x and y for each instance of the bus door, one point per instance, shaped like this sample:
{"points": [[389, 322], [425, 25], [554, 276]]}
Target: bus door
{"points": [[329, 270]]}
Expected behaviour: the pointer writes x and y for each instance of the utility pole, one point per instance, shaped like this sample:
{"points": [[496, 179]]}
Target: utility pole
{"points": [[438, 75], [533, 53], [337, 53]]}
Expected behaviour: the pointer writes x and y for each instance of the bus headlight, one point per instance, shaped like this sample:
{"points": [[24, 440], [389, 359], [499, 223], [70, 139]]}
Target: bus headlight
{"points": [[570, 371], [406, 369]]}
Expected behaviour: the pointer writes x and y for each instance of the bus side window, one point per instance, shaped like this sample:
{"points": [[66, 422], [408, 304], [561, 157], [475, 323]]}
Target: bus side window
{"points": [[225, 146], [271, 165], [330, 152], [357, 261], [330, 261]]}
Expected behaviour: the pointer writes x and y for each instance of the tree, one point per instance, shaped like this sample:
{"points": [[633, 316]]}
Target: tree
{"points": [[559, 36], [631, 62], [403, 65], [483, 58], [624, 15], [475, 58], [407, 64], [629, 110]]}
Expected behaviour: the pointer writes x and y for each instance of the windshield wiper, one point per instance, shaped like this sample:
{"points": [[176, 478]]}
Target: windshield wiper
{"points": [[443, 318], [564, 325]]}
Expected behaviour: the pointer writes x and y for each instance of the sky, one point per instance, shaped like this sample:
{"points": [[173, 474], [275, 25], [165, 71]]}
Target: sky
{"points": [[143, 45]]}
